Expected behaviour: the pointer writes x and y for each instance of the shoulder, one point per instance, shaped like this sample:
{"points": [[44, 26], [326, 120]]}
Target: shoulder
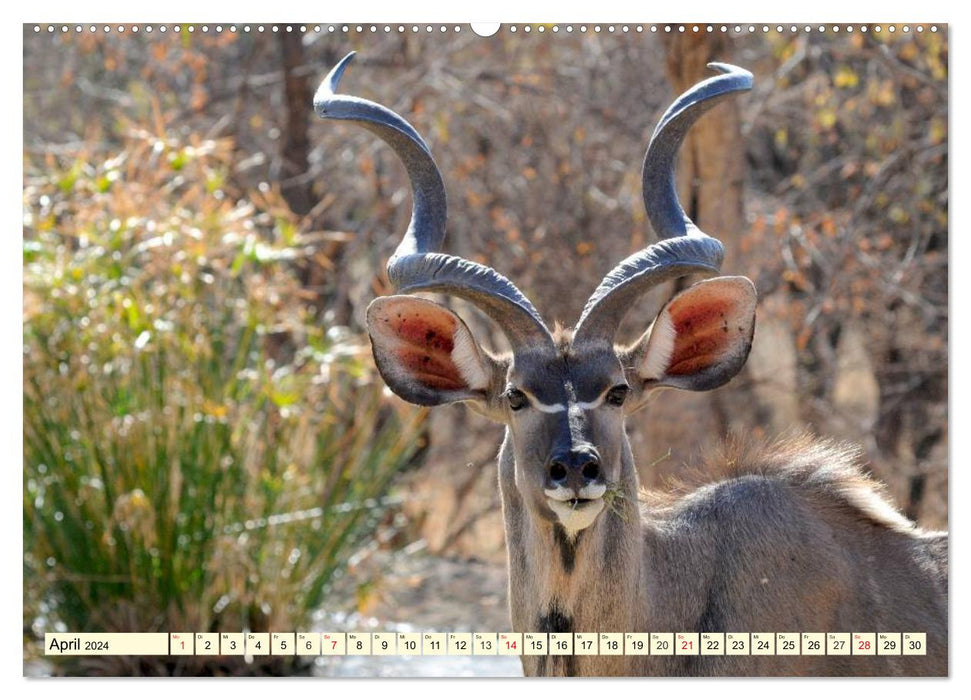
{"points": [[773, 479]]}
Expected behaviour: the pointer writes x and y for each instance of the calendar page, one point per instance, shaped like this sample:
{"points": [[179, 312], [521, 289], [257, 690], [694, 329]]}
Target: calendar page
{"points": [[287, 288]]}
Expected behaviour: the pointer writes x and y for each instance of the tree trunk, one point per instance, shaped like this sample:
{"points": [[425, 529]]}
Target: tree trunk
{"points": [[710, 178], [711, 167], [294, 183]]}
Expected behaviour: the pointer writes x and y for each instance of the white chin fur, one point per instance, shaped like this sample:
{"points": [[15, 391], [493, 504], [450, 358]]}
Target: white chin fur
{"points": [[575, 519]]}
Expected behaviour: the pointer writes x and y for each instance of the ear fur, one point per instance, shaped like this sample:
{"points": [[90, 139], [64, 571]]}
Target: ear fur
{"points": [[700, 339], [425, 353]]}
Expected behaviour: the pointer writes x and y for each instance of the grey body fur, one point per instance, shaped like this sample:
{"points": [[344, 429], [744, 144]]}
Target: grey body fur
{"points": [[754, 552]]}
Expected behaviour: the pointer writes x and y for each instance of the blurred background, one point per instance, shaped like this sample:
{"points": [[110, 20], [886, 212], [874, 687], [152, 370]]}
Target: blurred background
{"points": [[207, 446]]}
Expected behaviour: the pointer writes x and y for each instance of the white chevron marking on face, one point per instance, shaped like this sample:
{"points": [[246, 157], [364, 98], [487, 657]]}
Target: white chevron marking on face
{"points": [[559, 408], [548, 408]]}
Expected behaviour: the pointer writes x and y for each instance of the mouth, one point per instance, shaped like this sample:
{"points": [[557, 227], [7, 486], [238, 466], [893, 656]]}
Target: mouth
{"points": [[575, 514], [588, 494], [560, 505]]}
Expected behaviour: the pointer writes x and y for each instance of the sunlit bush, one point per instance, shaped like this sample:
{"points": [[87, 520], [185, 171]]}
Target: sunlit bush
{"points": [[201, 451]]}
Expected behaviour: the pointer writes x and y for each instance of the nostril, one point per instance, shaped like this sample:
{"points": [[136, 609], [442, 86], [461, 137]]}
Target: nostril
{"points": [[591, 470], [557, 471]]}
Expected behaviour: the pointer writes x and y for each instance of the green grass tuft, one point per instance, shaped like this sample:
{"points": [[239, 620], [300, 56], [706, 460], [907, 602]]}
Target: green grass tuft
{"points": [[201, 453]]}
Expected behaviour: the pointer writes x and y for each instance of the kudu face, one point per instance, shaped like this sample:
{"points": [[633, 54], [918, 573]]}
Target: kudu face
{"points": [[565, 414], [563, 397]]}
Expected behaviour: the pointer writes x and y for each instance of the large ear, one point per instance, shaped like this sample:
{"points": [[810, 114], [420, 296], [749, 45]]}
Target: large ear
{"points": [[425, 353], [700, 339]]}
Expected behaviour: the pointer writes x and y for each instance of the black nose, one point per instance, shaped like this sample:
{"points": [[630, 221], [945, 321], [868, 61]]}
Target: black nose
{"points": [[574, 469]]}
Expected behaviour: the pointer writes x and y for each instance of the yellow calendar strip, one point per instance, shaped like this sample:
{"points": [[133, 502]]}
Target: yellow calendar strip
{"points": [[232, 644], [864, 644], [459, 644], [488, 644], [611, 643], [813, 644], [712, 644], [637, 644], [108, 644], [207, 644], [434, 644], [737, 643], [181, 644], [686, 644], [561, 644], [662, 644], [838, 644], [888, 644], [536, 644], [485, 643], [585, 644], [914, 643], [787, 644], [309, 644], [332, 643]]}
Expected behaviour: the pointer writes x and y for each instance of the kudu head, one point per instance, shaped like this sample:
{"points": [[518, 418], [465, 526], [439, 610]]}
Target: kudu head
{"points": [[564, 397]]}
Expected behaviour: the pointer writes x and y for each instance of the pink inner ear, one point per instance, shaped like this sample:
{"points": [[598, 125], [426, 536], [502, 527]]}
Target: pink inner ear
{"points": [[423, 346], [703, 332]]}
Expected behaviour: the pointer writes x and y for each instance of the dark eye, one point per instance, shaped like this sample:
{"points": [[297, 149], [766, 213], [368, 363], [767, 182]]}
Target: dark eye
{"points": [[617, 395], [517, 399]]}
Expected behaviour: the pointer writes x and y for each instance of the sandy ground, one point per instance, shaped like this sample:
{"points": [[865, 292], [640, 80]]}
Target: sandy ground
{"points": [[417, 593]]}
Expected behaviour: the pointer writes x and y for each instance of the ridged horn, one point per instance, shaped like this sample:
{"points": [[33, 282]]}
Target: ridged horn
{"points": [[683, 248], [416, 265]]}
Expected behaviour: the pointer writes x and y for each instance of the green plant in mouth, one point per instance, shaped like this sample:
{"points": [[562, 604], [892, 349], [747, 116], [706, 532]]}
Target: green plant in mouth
{"points": [[614, 498]]}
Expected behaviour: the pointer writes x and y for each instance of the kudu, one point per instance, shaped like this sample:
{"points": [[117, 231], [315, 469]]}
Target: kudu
{"points": [[789, 539]]}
